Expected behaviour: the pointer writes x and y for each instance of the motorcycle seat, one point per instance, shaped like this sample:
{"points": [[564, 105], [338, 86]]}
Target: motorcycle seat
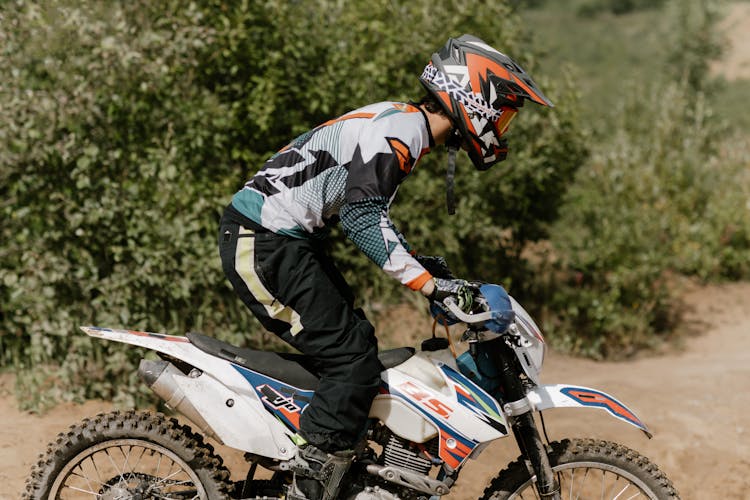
{"points": [[297, 370]]}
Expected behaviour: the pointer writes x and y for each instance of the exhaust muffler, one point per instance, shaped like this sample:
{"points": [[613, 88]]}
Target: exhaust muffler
{"points": [[161, 377]]}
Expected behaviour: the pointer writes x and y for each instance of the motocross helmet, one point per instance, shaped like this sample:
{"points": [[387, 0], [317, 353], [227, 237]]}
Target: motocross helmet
{"points": [[480, 89]]}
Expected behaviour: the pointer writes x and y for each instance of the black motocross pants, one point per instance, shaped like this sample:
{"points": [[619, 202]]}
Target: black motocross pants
{"points": [[295, 291]]}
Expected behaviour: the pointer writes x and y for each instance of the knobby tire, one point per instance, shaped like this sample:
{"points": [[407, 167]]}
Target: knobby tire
{"points": [[584, 455], [150, 431]]}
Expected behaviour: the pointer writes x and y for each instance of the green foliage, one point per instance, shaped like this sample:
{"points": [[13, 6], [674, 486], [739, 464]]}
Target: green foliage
{"points": [[652, 203], [617, 7], [660, 196], [112, 169], [125, 127], [695, 41]]}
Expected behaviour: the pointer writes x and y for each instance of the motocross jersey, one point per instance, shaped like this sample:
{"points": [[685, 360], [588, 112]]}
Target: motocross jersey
{"points": [[347, 169]]}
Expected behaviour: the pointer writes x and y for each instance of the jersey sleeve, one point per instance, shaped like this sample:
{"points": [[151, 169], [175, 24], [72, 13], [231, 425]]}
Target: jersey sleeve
{"points": [[384, 155], [367, 224]]}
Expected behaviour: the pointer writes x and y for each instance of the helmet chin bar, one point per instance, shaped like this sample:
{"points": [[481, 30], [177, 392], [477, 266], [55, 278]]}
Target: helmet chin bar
{"points": [[452, 143]]}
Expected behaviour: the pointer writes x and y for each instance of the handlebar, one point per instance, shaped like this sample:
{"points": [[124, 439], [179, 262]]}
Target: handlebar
{"points": [[467, 318]]}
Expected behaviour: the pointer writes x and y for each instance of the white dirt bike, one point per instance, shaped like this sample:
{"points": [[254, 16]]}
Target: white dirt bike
{"points": [[433, 413]]}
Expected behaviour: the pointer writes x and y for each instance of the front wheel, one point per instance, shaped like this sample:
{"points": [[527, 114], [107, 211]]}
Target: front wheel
{"points": [[588, 468], [128, 456]]}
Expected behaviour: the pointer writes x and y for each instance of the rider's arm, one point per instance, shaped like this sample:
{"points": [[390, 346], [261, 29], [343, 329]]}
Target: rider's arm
{"points": [[375, 172], [367, 224]]}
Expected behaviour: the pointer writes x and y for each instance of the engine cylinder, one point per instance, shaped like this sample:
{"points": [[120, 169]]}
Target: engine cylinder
{"points": [[400, 453]]}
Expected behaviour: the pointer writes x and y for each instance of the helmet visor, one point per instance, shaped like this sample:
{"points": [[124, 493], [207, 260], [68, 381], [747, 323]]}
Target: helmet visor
{"points": [[506, 116]]}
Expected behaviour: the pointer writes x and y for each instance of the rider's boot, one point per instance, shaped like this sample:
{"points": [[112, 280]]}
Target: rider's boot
{"points": [[317, 474]]}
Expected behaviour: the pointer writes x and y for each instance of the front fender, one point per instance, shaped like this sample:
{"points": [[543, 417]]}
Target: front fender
{"points": [[568, 396]]}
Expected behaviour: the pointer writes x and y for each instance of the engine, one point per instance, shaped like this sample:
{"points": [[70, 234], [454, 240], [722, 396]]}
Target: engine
{"points": [[400, 472], [415, 457]]}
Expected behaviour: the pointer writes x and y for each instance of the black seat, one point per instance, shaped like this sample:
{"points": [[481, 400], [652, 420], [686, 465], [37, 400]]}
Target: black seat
{"points": [[394, 357], [294, 369]]}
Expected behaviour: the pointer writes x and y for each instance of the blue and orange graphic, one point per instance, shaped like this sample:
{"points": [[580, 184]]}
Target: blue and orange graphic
{"points": [[473, 397], [286, 402], [589, 397]]}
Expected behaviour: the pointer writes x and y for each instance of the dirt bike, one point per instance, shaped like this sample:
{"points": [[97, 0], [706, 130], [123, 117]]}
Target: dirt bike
{"points": [[433, 412]]}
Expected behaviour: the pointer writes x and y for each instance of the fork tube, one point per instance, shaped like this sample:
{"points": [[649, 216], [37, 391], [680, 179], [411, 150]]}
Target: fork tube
{"points": [[524, 426]]}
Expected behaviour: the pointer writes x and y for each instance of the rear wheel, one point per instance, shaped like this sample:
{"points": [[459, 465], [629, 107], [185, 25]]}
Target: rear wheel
{"points": [[591, 469], [128, 455]]}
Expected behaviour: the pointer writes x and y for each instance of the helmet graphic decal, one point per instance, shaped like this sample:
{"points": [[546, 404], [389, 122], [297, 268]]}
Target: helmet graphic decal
{"points": [[458, 91]]}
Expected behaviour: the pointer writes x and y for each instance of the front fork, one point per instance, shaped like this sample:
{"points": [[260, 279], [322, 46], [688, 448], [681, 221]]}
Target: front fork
{"points": [[523, 424]]}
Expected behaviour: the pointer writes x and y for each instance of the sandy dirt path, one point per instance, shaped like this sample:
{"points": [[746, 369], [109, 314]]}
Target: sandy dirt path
{"points": [[695, 401], [734, 63]]}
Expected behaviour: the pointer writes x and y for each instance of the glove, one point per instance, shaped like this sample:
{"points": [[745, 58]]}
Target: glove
{"points": [[462, 290], [435, 265]]}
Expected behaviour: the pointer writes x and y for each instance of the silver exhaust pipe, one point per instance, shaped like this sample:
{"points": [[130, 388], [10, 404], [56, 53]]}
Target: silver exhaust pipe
{"points": [[159, 376]]}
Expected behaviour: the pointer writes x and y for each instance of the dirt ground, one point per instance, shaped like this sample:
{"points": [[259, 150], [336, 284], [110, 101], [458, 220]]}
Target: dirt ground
{"points": [[694, 400]]}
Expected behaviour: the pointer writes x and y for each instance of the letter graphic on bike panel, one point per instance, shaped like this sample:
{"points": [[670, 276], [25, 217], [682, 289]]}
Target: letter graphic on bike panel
{"points": [[283, 400], [428, 402], [454, 447]]}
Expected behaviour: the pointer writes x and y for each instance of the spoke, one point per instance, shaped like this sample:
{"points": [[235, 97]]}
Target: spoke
{"points": [[166, 478], [169, 471], [84, 477], [138, 462], [585, 475], [604, 475], [622, 491], [99, 483], [572, 482], [94, 493], [127, 458], [98, 475], [637, 494], [112, 461]]}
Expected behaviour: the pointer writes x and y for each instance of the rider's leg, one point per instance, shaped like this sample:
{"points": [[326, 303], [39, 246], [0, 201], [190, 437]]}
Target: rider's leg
{"points": [[295, 291]]}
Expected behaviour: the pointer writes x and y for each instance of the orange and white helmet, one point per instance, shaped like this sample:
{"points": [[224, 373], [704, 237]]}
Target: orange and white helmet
{"points": [[480, 90]]}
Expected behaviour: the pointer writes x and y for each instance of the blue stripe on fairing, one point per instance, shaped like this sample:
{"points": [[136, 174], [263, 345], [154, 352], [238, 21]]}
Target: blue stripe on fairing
{"points": [[475, 389]]}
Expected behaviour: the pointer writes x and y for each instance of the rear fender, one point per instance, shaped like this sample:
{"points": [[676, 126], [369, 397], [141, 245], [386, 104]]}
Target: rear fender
{"points": [[222, 396], [180, 348], [544, 397]]}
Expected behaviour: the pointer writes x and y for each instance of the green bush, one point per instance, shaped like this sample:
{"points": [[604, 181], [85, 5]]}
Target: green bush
{"points": [[694, 42], [109, 185], [662, 199], [618, 7]]}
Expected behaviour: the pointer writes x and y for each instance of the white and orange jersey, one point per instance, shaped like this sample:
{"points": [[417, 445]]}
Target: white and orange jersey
{"points": [[350, 169]]}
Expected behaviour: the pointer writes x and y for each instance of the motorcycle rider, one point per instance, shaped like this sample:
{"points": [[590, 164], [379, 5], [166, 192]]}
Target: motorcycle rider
{"points": [[348, 170]]}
